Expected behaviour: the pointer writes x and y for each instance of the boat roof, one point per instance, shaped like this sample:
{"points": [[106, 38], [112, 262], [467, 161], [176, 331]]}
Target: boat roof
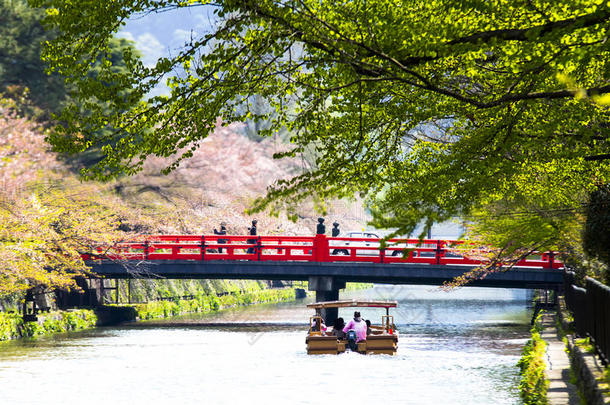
{"points": [[353, 303]]}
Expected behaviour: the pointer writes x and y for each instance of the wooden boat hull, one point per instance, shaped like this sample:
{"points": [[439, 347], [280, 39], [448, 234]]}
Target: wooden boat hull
{"points": [[375, 344]]}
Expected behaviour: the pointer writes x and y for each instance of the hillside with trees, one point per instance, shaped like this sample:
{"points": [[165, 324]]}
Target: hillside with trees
{"points": [[48, 216]]}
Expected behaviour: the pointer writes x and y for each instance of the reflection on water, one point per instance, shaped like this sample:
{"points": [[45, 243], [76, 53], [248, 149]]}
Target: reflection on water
{"points": [[455, 348]]}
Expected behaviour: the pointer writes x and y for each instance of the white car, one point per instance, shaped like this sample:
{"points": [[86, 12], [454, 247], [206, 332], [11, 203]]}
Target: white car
{"points": [[367, 235], [360, 243], [396, 249]]}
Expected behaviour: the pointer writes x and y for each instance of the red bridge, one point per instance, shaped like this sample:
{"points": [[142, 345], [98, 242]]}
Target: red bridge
{"points": [[319, 248], [326, 263]]}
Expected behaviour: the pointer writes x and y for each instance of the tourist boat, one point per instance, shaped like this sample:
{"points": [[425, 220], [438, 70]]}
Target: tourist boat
{"points": [[382, 339]]}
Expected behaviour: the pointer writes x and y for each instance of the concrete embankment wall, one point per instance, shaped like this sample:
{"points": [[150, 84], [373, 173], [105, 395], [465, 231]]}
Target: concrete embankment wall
{"points": [[589, 374]]}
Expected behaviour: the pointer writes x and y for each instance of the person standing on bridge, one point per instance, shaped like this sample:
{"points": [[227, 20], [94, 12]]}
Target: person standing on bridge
{"points": [[335, 231], [252, 232], [321, 229], [223, 231]]}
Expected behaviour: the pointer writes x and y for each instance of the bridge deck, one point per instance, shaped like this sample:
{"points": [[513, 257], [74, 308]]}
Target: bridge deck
{"points": [[383, 273]]}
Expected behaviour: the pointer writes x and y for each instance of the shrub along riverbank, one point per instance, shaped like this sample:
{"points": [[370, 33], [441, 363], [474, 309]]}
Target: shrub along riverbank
{"points": [[13, 327], [534, 384]]}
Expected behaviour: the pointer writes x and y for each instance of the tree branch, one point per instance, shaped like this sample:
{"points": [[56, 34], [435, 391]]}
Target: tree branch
{"points": [[527, 34]]}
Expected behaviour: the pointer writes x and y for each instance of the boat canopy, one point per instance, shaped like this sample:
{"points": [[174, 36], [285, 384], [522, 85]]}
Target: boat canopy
{"points": [[353, 303]]}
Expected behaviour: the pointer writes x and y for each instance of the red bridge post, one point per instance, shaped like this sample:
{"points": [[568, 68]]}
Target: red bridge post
{"points": [[439, 251], [320, 248], [202, 244], [259, 247]]}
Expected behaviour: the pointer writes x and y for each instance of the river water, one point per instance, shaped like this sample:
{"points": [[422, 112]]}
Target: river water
{"points": [[454, 348]]}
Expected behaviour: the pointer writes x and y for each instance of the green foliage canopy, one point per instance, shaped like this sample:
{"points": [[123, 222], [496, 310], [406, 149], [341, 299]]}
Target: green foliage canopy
{"points": [[431, 108]]}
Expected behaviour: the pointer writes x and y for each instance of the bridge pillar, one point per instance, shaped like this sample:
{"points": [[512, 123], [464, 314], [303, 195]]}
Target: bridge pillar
{"points": [[327, 289]]}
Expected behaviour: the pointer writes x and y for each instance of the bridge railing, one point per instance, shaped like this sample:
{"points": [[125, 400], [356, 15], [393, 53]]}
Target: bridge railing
{"points": [[317, 248], [427, 251]]}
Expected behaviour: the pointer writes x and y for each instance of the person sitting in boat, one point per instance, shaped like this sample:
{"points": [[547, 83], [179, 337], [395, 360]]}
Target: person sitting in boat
{"points": [[368, 327], [318, 328], [338, 328], [357, 325]]}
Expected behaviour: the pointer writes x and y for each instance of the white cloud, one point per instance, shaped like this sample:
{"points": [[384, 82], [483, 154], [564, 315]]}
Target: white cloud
{"points": [[148, 45], [125, 34]]}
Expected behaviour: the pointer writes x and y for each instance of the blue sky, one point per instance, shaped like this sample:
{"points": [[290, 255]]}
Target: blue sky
{"points": [[165, 33]]}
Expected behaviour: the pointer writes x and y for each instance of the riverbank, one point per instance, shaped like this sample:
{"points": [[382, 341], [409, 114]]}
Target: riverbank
{"points": [[546, 375], [13, 327], [558, 368], [113, 314]]}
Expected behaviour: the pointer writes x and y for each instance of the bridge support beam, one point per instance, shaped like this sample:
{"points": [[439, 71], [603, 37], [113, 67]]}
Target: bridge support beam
{"points": [[327, 289]]}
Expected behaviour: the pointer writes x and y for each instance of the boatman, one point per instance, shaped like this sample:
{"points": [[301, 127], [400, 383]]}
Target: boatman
{"points": [[358, 326]]}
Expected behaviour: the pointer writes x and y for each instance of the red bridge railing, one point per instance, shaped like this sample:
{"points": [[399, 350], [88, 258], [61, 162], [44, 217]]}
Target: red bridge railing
{"points": [[317, 248]]}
